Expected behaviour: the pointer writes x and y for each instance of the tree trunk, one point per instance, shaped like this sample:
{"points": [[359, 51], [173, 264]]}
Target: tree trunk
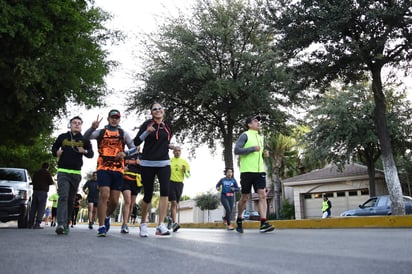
{"points": [[228, 147], [371, 174], [276, 194], [389, 167]]}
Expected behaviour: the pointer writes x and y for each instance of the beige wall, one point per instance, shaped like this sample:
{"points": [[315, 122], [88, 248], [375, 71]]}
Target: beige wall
{"points": [[189, 213]]}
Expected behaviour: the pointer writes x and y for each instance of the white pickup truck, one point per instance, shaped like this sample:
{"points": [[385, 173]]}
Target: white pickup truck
{"points": [[15, 195]]}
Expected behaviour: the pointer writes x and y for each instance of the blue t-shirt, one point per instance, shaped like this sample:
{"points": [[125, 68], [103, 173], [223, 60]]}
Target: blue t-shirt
{"points": [[227, 184]]}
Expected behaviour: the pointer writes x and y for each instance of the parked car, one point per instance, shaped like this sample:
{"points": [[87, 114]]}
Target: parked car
{"points": [[250, 215], [15, 195], [379, 205]]}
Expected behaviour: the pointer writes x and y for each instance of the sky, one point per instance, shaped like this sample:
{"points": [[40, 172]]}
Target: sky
{"points": [[133, 18]]}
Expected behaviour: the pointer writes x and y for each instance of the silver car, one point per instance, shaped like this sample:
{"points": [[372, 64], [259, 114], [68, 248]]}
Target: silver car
{"points": [[376, 206]]}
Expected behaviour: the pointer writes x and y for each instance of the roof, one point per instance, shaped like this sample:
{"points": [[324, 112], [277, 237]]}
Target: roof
{"points": [[331, 173]]}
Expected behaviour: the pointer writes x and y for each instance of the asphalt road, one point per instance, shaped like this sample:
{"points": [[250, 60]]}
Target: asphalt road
{"points": [[206, 251]]}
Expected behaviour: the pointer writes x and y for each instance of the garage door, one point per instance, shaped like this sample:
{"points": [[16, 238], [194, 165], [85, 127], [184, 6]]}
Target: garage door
{"points": [[341, 201]]}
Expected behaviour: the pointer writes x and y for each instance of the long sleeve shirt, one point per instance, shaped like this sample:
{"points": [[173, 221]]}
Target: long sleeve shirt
{"points": [[71, 158]]}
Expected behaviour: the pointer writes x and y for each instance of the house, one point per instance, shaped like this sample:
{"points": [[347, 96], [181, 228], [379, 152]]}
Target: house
{"points": [[189, 213], [346, 189]]}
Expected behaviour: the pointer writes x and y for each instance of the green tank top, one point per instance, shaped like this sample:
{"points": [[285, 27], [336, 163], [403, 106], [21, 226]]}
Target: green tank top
{"points": [[253, 162]]}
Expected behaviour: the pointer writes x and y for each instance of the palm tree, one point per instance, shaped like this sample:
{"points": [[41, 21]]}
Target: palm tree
{"points": [[281, 149]]}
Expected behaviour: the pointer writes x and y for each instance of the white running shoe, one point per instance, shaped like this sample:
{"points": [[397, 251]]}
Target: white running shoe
{"points": [[143, 230], [162, 230]]}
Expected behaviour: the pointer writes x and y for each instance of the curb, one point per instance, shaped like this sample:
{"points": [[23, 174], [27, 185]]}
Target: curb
{"points": [[340, 222]]}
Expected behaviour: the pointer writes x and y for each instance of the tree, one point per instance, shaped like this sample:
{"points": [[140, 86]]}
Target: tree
{"points": [[279, 147], [185, 198], [51, 54], [207, 201], [29, 157], [211, 71], [326, 40], [343, 128], [405, 168]]}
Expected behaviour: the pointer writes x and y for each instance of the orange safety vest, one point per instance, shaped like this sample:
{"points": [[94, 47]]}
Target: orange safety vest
{"points": [[109, 146]]}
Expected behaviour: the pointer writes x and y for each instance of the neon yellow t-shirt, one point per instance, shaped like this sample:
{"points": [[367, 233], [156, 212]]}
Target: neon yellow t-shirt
{"points": [[54, 198], [177, 172]]}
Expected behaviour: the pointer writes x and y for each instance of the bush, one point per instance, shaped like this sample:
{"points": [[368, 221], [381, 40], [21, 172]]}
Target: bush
{"points": [[271, 216], [287, 211]]}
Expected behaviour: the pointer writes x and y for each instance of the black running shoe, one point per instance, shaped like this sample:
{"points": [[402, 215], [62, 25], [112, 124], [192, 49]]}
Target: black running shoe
{"points": [[107, 224], [169, 222], [60, 230], [266, 227], [175, 227], [239, 227]]}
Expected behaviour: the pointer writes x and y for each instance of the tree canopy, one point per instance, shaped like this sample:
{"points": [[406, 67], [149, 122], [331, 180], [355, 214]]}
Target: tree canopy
{"points": [[51, 54], [343, 128], [326, 40], [212, 70]]}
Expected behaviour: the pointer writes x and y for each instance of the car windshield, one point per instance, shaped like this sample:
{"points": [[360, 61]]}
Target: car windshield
{"points": [[12, 175]]}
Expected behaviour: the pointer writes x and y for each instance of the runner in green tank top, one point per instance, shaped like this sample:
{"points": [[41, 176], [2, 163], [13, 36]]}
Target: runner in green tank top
{"points": [[250, 148]]}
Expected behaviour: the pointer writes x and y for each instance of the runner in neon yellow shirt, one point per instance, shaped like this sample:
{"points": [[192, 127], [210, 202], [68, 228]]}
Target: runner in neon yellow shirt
{"points": [[180, 170]]}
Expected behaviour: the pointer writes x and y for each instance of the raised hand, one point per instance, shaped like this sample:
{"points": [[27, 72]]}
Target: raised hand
{"points": [[96, 123]]}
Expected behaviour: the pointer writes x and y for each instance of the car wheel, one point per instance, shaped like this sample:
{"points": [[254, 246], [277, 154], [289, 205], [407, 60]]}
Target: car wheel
{"points": [[23, 220]]}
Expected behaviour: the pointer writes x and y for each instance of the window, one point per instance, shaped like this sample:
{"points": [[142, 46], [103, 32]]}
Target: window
{"points": [[307, 196], [370, 202], [383, 201], [12, 175], [364, 191]]}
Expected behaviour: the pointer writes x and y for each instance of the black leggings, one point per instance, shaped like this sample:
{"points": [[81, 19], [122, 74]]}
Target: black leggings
{"points": [[148, 178], [74, 215]]}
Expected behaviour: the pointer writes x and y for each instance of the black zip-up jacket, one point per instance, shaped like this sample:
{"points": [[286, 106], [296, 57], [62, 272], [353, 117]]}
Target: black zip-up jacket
{"points": [[71, 157], [156, 144], [42, 180]]}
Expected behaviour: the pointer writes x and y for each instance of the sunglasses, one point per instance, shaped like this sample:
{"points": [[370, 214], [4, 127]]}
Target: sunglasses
{"points": [[155, 109]]}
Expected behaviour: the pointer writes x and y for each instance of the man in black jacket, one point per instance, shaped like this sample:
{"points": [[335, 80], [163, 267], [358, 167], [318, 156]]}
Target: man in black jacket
{"points": [[70, 148], [41, 182]]}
